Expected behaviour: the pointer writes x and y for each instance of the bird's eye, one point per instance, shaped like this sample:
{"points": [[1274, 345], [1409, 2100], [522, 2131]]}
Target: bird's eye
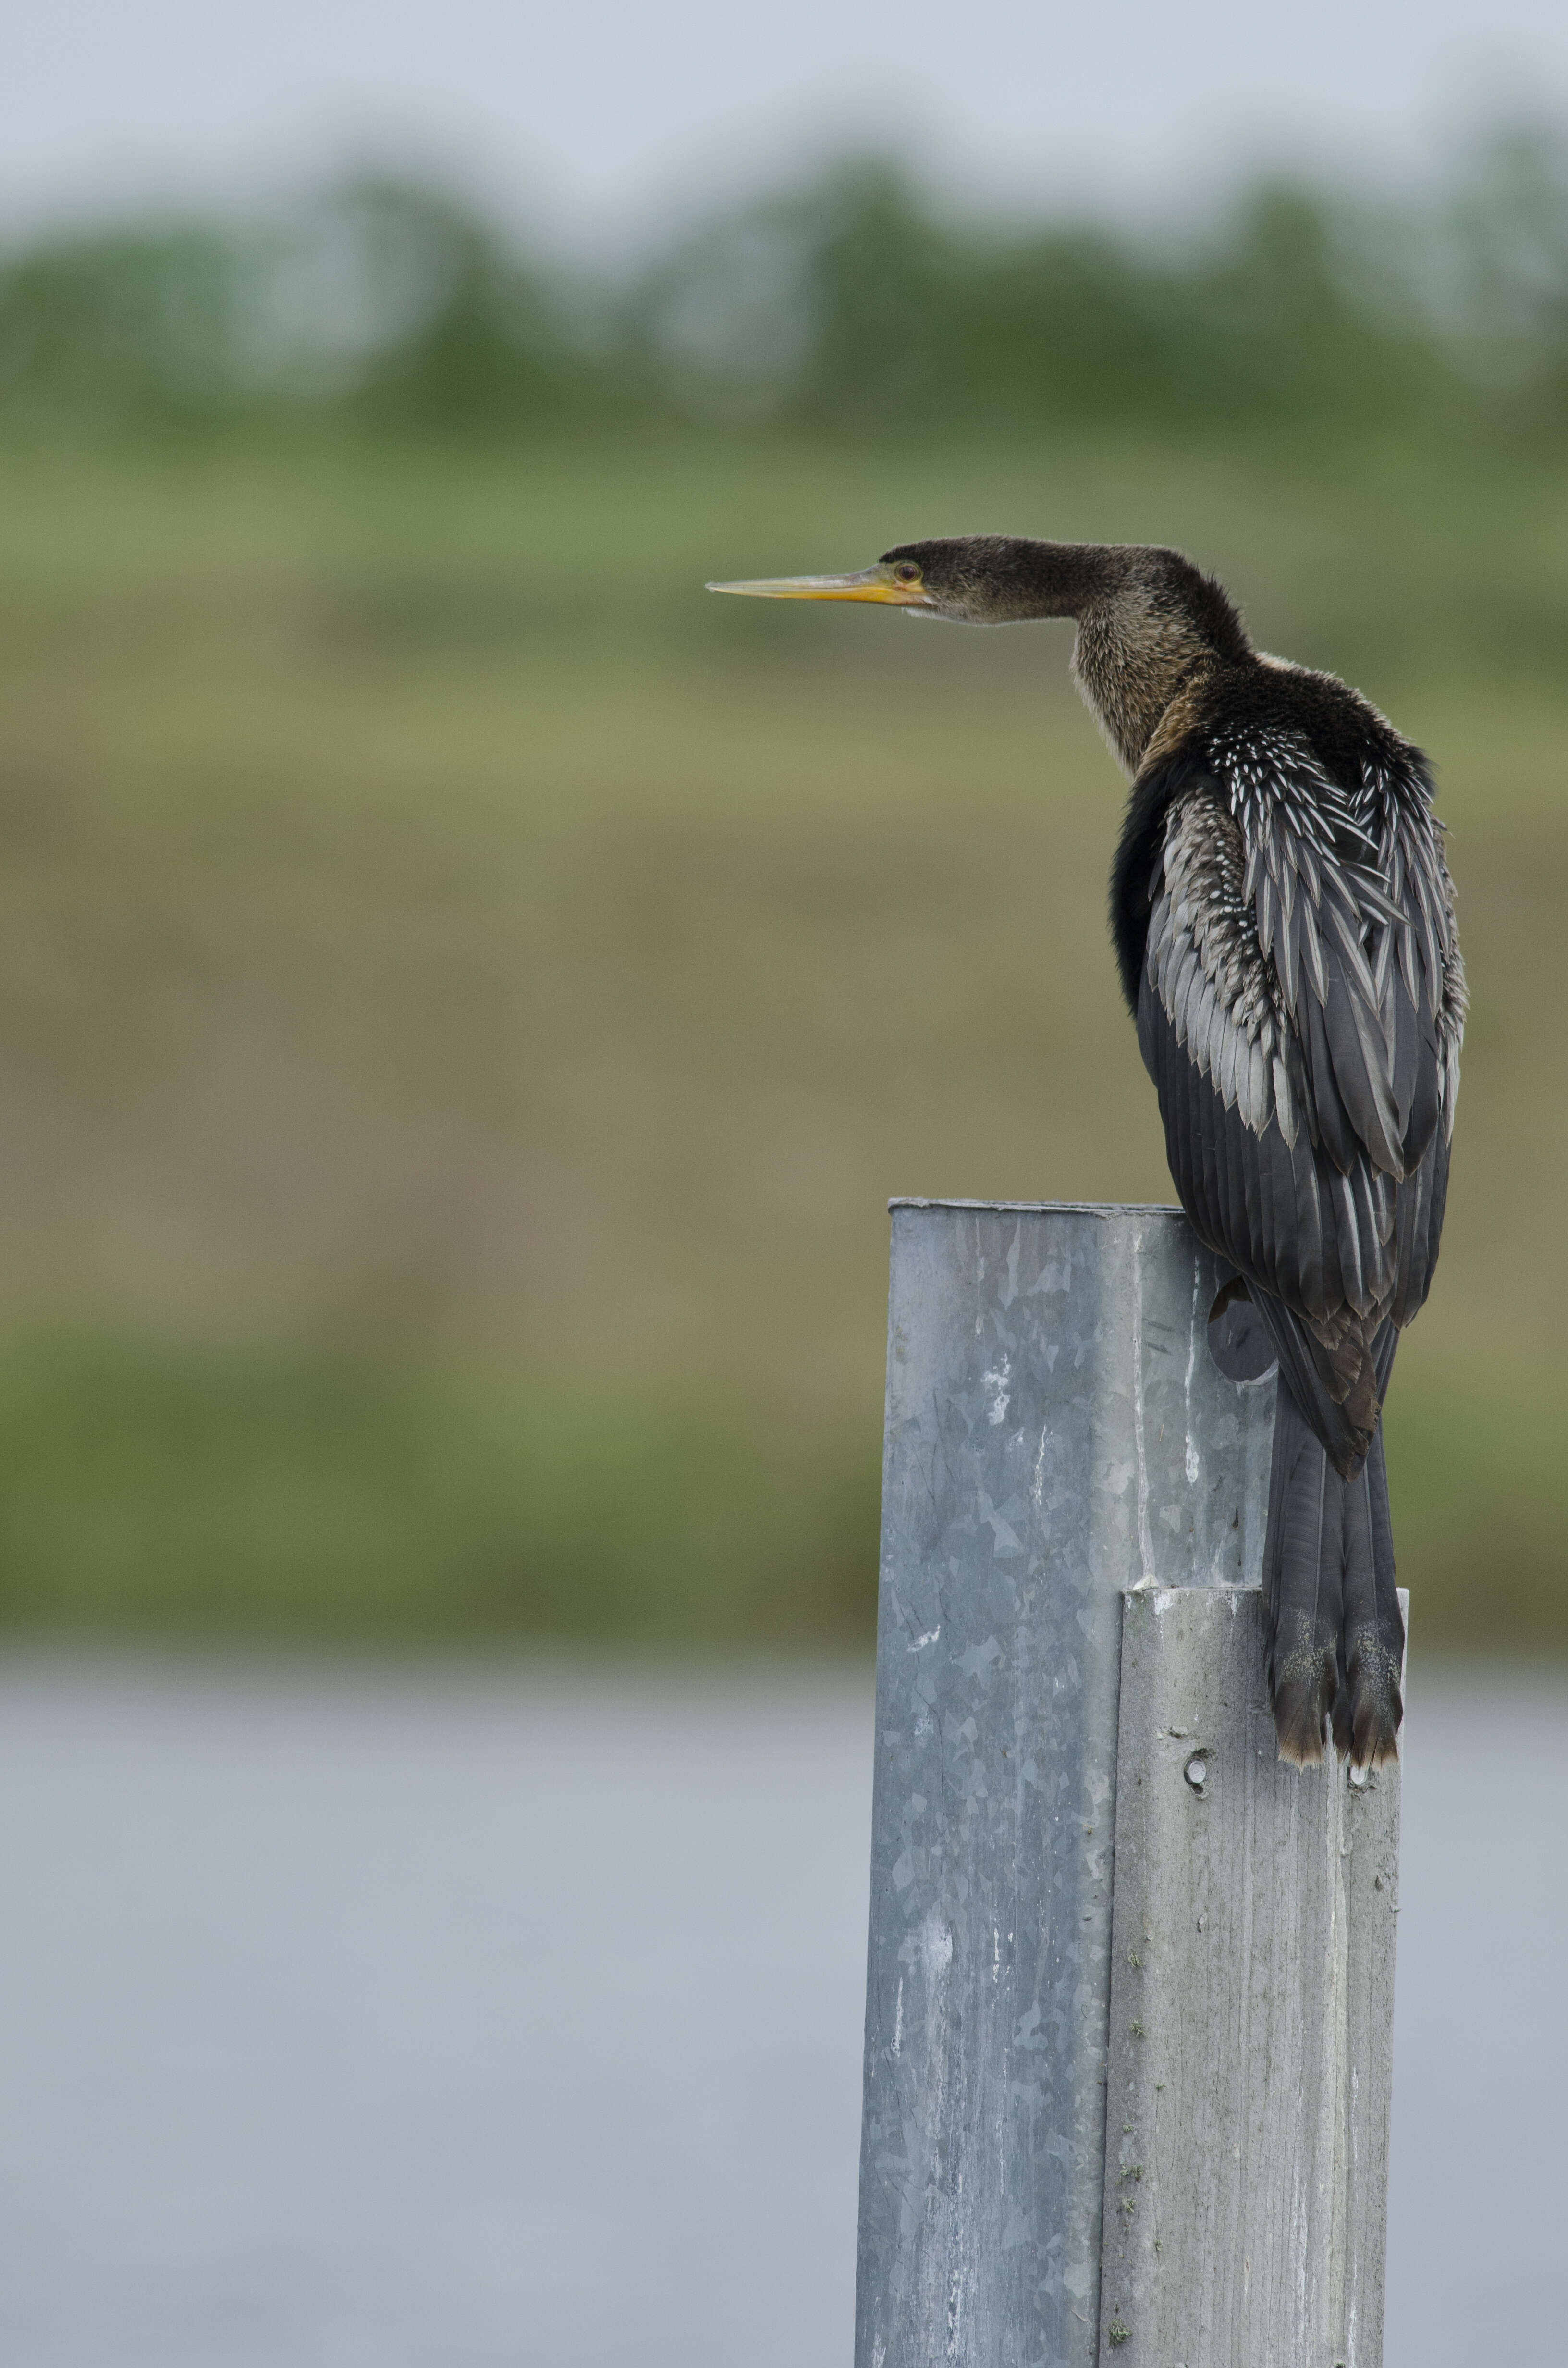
{"points": [[906, 572]]}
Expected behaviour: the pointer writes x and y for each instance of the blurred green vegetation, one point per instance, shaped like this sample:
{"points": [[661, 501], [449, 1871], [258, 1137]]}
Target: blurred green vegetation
{"points": [[855, 304], [465, 996], [234, 1491]]}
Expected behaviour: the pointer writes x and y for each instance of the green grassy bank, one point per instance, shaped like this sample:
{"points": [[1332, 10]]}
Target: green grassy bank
{"points": [[466, 996]]}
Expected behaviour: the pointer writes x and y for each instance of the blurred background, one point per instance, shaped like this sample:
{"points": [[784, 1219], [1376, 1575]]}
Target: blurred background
{"points": [[466, 996]]}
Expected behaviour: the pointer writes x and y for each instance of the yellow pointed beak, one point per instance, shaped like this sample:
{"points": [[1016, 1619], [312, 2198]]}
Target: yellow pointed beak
{"points": [[871, 584]]}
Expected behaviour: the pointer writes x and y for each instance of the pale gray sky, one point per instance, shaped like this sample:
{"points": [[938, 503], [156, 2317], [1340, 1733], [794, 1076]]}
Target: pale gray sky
{"points": [[603, 114]]}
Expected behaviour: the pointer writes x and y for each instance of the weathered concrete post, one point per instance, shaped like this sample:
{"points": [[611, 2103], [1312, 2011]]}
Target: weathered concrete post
{"points": [[1058, 1434]]}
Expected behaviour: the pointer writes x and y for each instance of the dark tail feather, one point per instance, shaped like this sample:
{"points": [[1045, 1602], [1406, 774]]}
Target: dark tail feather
{"points": [[1303, 1583], [1368, 1714]]}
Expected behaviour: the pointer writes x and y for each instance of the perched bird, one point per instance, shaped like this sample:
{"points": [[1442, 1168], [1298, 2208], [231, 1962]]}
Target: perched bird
{"points": [[1283, 919]]}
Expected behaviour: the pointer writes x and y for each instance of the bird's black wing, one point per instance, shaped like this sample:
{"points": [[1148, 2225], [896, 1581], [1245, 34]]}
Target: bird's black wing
{"points": [[1299, 1008], [1300, 1004]]}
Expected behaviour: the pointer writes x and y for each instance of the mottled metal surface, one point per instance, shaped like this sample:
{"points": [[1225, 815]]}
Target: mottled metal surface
{"points": [[1057, 1431], [1251, 2016]]}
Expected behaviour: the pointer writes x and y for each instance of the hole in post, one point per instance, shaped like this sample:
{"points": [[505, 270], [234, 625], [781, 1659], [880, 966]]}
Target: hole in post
{"points": [[1238, 1341]]}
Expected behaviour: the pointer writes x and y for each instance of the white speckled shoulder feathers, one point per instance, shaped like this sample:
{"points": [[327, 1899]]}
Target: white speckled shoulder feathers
{"points": [[1209, 969]]}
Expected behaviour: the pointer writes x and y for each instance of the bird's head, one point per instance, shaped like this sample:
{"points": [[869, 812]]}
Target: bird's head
{"points": [[972, 579], [1147, 617]]}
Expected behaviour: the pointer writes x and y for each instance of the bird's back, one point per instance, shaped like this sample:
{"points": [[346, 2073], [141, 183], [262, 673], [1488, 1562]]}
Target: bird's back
{"points": [[1284, 925]]}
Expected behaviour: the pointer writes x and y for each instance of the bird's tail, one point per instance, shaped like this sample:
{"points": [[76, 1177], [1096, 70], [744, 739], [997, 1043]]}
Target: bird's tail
{"points": [[1335, 1633]]}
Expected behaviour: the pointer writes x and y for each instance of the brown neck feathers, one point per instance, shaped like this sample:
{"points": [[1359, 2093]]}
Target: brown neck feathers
{"points": [[1145, 645]]}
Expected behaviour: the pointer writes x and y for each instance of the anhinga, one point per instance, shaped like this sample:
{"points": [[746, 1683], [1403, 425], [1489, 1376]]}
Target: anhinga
{"points": [[1283, 920]]}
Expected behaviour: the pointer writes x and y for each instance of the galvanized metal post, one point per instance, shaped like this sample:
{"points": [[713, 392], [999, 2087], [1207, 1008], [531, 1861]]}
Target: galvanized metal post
{"points": [[1058, 1433], [1251, 2016]]}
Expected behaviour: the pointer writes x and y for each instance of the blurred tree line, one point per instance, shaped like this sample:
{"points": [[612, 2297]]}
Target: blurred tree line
{"points": [[851, 305]]}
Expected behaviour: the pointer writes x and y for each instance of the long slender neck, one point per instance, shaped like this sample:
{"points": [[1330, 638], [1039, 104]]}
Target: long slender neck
{"points": [[1132, 664], [1151, 626]]}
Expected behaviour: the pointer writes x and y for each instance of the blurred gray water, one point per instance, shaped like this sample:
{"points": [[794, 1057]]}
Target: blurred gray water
{"points": [[449, 2019]]}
